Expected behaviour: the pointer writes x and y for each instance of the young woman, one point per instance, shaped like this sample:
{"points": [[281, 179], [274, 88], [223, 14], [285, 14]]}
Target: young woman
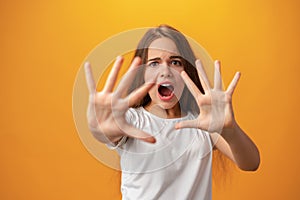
{"points": [[169, 121]]}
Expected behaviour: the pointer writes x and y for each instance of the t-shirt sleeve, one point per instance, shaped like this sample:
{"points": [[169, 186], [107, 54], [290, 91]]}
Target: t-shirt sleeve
{"points": [[113, 146]]}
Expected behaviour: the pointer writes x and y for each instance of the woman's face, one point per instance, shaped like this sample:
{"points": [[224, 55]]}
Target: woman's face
{"points": [[165, 64]]}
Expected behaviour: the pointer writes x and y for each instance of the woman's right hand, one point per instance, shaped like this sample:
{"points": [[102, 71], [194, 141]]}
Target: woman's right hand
{"points": [[106, 109]]}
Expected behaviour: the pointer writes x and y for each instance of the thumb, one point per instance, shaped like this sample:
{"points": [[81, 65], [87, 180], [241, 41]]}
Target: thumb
{"points": [[187, 124], [138, 134]]}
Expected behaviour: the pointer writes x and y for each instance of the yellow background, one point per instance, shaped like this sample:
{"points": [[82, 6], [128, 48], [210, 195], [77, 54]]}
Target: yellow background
{"points": [[43, 44]]}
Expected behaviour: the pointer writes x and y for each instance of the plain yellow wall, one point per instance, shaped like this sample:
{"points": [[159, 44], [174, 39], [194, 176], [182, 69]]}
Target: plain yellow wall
{"points": [[43, 44]]}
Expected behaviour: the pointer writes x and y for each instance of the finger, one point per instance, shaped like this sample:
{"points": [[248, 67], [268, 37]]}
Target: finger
{"points": [[191, 85], [217, 78], [233, 83], [139, 93], [138, 134], [202, 75], [113, 75], [89, 78], [128, 77], [187, 124]]}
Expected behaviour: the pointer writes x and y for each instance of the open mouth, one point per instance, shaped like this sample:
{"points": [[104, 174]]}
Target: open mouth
{"points": [[166, 91]]}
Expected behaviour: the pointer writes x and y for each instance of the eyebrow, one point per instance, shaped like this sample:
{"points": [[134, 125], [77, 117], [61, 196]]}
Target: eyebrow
{"points": [[171, 57]]}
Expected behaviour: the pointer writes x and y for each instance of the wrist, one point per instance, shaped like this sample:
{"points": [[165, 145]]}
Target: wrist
{"points": [[105, 138], [230, 131], [116, 139]]}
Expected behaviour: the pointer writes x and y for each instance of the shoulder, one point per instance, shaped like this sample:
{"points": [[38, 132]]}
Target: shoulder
{"points": [[138, 117], [134, 114]]}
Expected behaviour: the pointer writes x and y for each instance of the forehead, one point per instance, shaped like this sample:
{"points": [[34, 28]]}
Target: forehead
{"points": [[162, 46]]}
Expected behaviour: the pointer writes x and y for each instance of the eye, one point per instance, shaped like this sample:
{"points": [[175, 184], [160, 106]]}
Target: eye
{"points": [[153, 64], [176, 62]]}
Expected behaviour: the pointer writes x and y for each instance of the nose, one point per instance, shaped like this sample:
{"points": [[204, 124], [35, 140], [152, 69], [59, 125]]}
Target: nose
{"points": [[165, 71]]}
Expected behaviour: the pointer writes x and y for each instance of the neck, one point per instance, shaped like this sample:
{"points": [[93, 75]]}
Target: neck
{"points": [[174, 112]]}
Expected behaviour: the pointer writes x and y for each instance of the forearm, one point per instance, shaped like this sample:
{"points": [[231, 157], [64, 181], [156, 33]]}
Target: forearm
{"points": [[244, 151]]}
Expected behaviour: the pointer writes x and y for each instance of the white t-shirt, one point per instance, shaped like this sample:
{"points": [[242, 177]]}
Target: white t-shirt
{"points": [[177, 166]]}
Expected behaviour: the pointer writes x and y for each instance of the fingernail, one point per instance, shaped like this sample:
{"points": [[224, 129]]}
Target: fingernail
{"points": [[151, 140], [119, 57], [198, 62]]}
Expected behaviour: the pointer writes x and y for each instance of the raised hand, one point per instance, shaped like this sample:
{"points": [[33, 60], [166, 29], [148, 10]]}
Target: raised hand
{"points": [[106, 109], [215, 105]]}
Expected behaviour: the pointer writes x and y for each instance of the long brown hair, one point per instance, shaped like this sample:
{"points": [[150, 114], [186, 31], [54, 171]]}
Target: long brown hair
{"points": [[187, 102]]}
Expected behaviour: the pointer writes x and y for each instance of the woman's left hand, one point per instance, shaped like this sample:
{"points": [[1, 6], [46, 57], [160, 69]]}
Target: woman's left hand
{"points": [[216, 112]]}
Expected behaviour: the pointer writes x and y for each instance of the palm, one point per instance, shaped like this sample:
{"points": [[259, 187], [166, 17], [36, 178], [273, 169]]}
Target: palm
{"points": [[215, 105], [106, 109]]}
